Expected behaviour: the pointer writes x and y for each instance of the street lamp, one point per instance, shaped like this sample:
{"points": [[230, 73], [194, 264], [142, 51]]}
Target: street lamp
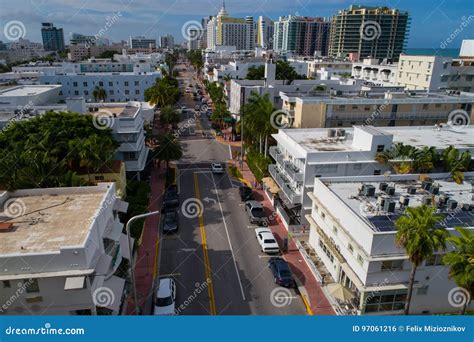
{"points": [[132, 269]]}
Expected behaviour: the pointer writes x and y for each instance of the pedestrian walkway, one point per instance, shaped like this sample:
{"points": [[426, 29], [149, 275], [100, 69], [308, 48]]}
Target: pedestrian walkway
{"points": [[146, 255], [317, 301]]}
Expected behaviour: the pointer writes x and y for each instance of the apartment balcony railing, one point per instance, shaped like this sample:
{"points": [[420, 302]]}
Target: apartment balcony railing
{"points": [[418, 115], [274, 152], [293, 195], [294, 172]]}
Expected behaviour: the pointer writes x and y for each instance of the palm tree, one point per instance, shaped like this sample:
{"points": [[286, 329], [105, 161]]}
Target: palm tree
{"points": [[169, 116], [99, 94], [456, 163], [461, 262], [168, 149], [418, 233]]}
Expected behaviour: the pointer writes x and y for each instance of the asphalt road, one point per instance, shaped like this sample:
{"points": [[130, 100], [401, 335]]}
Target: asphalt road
{"points": [[215, 258]]}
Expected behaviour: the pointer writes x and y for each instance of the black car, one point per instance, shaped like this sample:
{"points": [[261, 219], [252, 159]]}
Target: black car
{"points": [[281, 272], [245, 193], [171, 198], [170, 221]]}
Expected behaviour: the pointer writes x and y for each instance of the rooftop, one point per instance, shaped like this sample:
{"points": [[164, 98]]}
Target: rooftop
{"points": [[27, 90], [124, 111], [379, 218], [315, 140], [50, 219]]}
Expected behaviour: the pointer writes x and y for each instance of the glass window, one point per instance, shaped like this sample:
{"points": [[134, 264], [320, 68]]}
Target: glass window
{"points": [[6, 284], [31, 285]]}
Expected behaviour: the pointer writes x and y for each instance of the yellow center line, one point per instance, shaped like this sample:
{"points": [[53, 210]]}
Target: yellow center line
{"points": [[207, 265]]}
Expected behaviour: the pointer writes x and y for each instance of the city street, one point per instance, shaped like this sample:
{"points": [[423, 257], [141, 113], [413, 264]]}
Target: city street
{"points": [[215, 258]]}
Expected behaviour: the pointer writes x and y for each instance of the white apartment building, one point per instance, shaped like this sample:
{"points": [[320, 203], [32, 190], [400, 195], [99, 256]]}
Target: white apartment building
{"points": [[327, 68], [264, 33], [235, 69], [61, 251], [122, 81], [25, 96], [352, 233], [373, 71], [304, 154], [429, 73]]}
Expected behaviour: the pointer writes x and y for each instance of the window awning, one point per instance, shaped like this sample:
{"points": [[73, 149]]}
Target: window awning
{"points": [[74, 283]]}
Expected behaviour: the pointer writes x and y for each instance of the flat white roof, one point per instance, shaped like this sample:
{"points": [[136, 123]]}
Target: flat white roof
{"points": [[49, 220], [315, 140], [28, 90], [374, 215]]}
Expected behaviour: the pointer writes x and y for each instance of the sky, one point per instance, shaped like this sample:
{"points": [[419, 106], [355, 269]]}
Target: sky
{"points": [[433, 22]]}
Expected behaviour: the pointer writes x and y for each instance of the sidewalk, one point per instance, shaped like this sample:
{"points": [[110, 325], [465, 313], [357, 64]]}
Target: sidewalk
{"points": [[318, 302]]}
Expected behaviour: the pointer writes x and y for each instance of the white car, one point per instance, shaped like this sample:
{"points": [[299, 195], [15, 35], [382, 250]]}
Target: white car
{"points": [[217, 168], [184, 109], [187, 90], [267, 241], [165, 300]]}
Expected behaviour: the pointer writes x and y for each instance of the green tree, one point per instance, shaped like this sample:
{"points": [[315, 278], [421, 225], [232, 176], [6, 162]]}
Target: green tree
{"points": [[461, 262], [99, 94], [164, 92], [46, 151], [456, 163], [256, 73], [108, 54], [169, 116], [171, 58], [419, 234], [167, 149]]}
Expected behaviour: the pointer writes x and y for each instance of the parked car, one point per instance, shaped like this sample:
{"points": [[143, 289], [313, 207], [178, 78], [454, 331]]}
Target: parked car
{"points": [[188, 90], [267, 241], [170, 221], [246, 193], [171, 198], [255, 212], [183, 109], [217, 168], [165, 300], [281, 272]]}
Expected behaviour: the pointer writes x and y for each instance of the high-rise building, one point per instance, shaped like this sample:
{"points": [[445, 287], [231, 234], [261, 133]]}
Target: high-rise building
{"points": [[211, 33], [77, 38], [301, 35], [142, 43], [167, 41], [377, 32], [238, 32], [202, 41], [53, 37], [264, 32]]}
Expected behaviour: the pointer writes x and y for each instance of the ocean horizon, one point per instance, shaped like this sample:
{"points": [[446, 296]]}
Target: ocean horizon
{"points": [[434, 52]]}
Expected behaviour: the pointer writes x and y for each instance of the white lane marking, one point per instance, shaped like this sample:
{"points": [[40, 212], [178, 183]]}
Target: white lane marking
{"points": [[179, 181], [230, 153], [268, 256], [228, 238]]}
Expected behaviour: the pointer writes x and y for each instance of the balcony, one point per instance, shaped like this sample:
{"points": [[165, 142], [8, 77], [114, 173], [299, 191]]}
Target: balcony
{"points": [[294, 172], [293, 195]]}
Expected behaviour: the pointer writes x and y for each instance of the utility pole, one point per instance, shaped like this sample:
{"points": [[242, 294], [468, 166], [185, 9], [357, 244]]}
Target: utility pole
{"points": [[130, 247]]}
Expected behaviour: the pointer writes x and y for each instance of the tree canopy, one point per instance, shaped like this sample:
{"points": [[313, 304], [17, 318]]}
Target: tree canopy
{"points": [[284, 71], [47, 150], [164, 92]]}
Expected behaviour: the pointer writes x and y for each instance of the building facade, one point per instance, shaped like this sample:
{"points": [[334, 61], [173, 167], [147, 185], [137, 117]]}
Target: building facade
{"points": [[167, 42], [376, 32], [142, 43], [265, 31], [301, 36], [374, 71], [53, 37], [55, 264]]}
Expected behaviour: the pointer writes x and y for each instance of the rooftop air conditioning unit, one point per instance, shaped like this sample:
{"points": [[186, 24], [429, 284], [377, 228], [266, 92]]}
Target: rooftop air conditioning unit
{"points": [[383, 186], [466, 207], [451, 204], [434, 189], [368, 190], [389, 206], [404, 200], [381, 201], [426, 200], [390, 190], [411, 190], [331, 133], [426, 185]]}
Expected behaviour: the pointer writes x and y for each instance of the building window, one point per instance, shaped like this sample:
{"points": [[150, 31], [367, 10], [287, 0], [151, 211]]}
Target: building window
{"points": [[392, 265], [323, 215], [76, 92], [129, 156], [326, 251], [111, 84], [377, 172], [127, 91], [380, 148], [425, 106], [354, 107], [438, 105], [434, 260], [334, 230], [386, 301], [350, 248], [74, 84], [84, 84], [101, 84], [360, 260], [342, 107], [358, 167], [6, 284], [111, 92], [86, 92], [137, 83], [137, 92], [125, 83], [99, 178], [31, 285]]}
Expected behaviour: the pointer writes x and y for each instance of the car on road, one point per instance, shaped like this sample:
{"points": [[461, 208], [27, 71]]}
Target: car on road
{"points": [[188, 90], [170, 221], [217, 168], [281, 272], [183, 109], [197, 107], [171, 198], [165, 301], [246, 193], [267, 241], [256, 213]]}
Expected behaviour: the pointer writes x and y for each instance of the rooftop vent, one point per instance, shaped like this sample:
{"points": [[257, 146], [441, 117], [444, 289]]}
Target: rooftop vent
{"points": [[331, 133], [404, 200], [383, 186], [389, 206], [368, 190], [390, 190], [426, 185], [411, 190]]}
